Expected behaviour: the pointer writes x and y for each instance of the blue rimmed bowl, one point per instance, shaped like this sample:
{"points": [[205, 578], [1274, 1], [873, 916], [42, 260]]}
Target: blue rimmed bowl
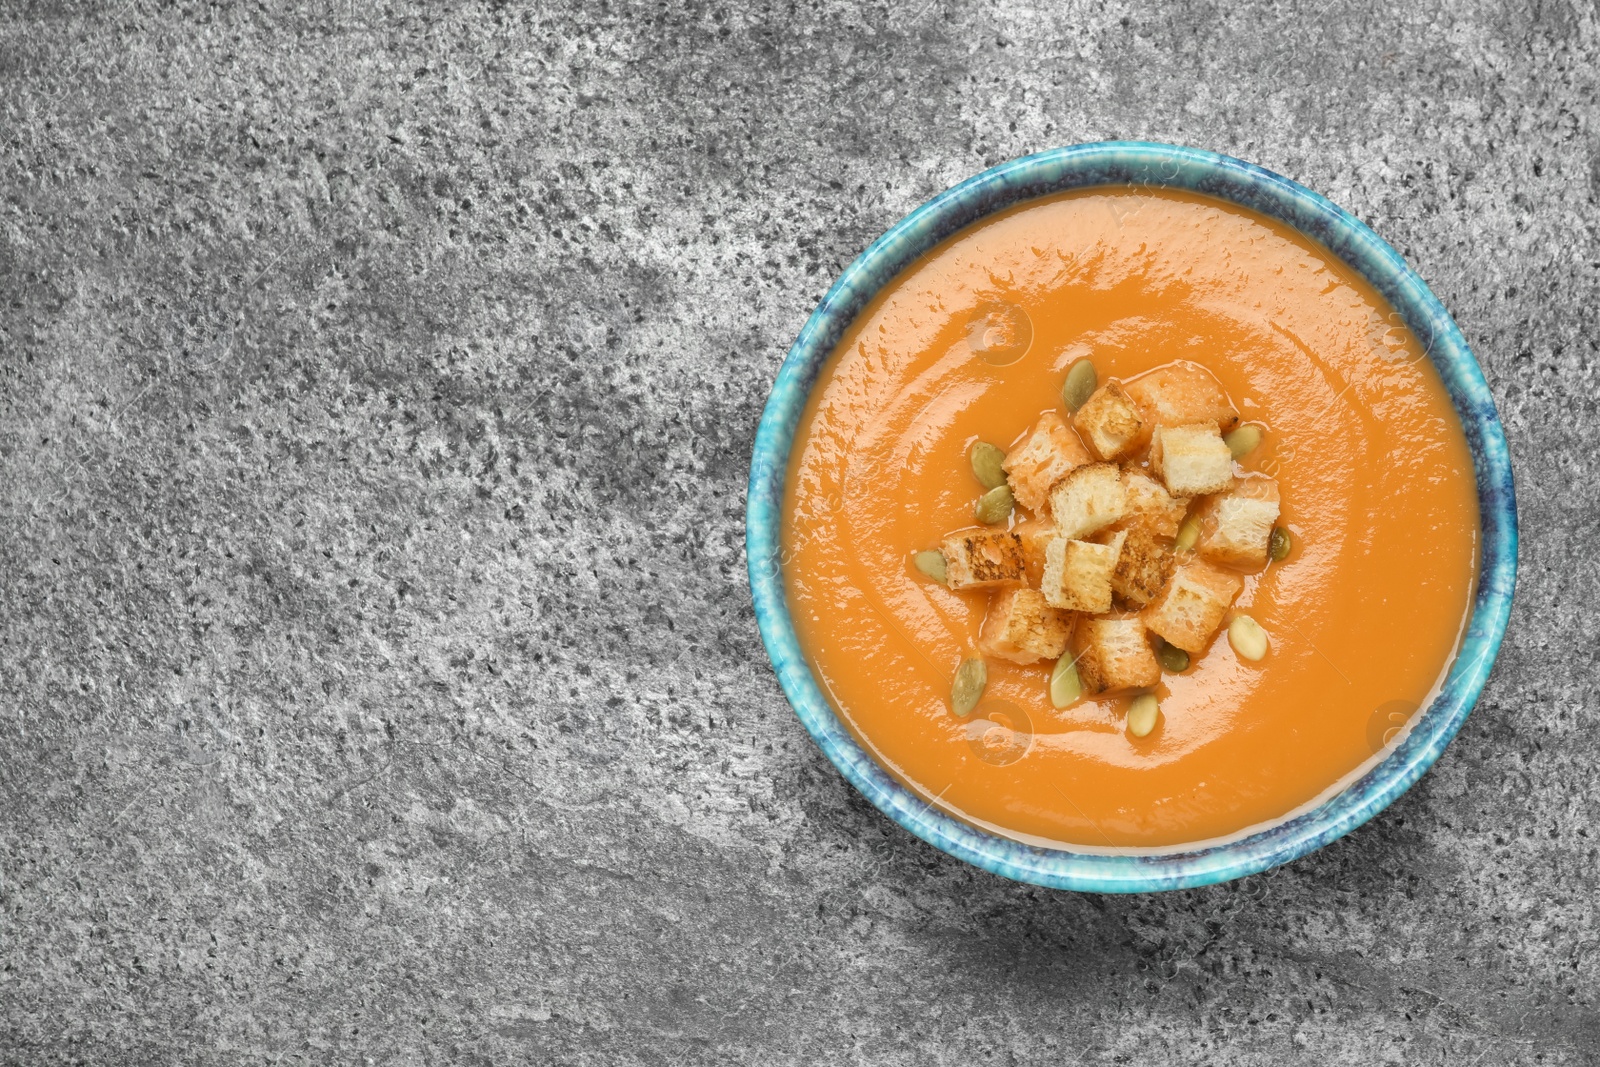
{"points": [[1134, 163]]}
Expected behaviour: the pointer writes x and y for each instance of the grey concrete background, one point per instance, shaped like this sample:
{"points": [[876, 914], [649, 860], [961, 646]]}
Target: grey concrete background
{"points": [[378, 680]]}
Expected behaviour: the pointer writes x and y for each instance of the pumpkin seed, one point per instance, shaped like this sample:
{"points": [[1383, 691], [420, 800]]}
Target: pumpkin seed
{"points": [[995, 505], [1243, 441], [1188, 534], [1080, 384], [1142, 714], [1247, 637], [931, 563], [1278, 548], [986, 460], [972, 677], [1172, 658], [1065, 686]]}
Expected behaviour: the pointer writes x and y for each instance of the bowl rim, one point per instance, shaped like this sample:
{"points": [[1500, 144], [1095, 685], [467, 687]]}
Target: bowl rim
{"points": [[1154, 166]]}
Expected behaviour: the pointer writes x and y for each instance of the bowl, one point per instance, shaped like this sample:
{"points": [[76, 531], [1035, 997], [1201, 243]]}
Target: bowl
{"points": [[1146, 165]]}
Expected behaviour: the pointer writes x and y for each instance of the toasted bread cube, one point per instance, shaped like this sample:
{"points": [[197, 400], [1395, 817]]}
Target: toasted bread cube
{"points": [[1236, 526], [1191, 607], [1143, 566], [1077, 574], [1114, 654], [1151, 523], [1036, 536], [1090, 498], [1049, 453], [977, 558], [1022, 628], [1181, 394], [1191, 459], [1150, 505], [1109, 421]]}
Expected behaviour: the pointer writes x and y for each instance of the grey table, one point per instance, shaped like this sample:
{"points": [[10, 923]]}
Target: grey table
{"points": [[377, 669]]}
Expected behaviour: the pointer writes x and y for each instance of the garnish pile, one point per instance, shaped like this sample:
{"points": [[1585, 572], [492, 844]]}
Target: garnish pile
{"points": [[1126, 558]]}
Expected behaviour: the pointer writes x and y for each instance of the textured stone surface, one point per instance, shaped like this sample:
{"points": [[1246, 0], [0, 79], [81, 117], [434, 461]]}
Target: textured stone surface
{"points": [[377, 670]]}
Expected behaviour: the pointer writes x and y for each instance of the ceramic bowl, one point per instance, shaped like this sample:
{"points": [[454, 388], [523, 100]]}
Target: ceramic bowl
{"points": [[1144, 165]]}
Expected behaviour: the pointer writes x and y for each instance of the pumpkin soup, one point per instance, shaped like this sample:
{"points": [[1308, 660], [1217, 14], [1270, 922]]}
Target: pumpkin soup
{"points": [[1128, 518]]}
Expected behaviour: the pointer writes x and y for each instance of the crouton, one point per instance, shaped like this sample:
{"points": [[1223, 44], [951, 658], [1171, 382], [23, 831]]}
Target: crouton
{"points": [[1191, 460], [1036, 536], [1191, 607], [1181, 394], [1236, 525], [1077, 574], [1150, 505], [1022, 628], [1049, 453], [1143, 565], [1109, 421], [1089, 498], [1114, 654], [978, 558]]}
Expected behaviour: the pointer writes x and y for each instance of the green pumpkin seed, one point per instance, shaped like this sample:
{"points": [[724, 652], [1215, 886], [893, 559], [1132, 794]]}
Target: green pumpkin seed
{"points": [[1080, 384], [995, 505], [1278, 547], [1142, 714], [1247, 638], [1188, 534], [1172, 658], [986, 460], [1243, 441], [1065, 686], [931, 563], [967, 689]]}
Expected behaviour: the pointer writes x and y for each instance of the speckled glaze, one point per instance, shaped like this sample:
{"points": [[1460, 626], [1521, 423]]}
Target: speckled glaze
{"points": [[1146, 165]]}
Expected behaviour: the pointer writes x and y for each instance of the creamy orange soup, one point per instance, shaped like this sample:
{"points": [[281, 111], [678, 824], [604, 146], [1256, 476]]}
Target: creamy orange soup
{"points": [[972, 343]]}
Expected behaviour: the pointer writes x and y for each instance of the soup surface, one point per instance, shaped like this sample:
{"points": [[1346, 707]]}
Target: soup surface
{"points": [[972, 343]]}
